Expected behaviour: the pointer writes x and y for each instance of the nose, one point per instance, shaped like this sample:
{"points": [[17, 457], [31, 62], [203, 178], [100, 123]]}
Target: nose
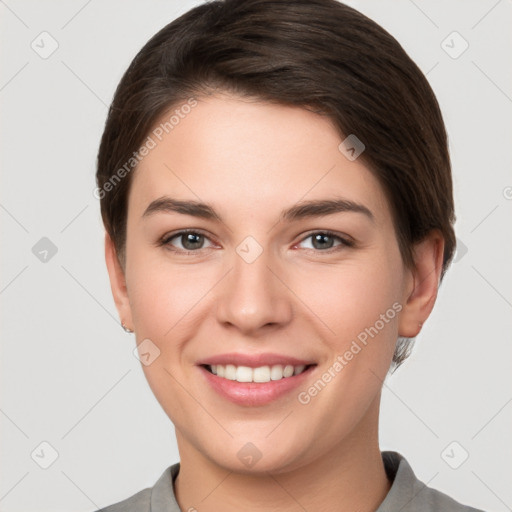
{"points": [[252, 298]]}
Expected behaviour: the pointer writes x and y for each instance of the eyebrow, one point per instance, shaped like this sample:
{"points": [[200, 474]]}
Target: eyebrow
{"points": [[302, 210]]}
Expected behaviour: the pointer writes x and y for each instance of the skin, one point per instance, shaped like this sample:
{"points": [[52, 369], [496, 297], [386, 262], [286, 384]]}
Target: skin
{"points": [[250, 160]]}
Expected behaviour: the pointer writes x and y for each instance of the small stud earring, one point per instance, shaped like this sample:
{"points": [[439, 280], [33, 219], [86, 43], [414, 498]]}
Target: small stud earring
{"points": [[129, 331]]}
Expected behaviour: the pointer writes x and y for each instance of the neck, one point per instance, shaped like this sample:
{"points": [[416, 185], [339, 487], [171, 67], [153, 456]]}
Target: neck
{"points": [[349, 476]]}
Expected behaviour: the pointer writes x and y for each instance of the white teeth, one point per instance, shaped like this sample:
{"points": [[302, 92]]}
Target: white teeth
{"points": [[260, 374], [298, 369], [230, 372], [288, 370], [276, 372], [244, 374]]}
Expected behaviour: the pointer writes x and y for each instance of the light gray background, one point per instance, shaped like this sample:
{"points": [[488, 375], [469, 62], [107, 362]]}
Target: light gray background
{"points": [[69, 376]]}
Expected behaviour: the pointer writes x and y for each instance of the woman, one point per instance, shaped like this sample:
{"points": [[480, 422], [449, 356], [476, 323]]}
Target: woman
{"points": [[276, 190]]}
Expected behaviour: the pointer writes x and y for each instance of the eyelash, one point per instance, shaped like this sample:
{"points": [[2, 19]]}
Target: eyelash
{"points": [[345, 242]]}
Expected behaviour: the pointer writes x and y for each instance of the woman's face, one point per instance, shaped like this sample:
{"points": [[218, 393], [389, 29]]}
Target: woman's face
{"points": [[264, 278]]}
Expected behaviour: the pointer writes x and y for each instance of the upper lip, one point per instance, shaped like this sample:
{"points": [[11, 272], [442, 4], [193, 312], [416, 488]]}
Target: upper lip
{"points": [[254, 360]]}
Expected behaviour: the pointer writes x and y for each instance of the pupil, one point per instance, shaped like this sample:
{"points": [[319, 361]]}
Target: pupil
{"points": [[322, 238], [191, 240]]}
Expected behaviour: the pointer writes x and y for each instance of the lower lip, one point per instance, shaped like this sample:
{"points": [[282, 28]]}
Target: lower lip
{"points": [[254, 393]]}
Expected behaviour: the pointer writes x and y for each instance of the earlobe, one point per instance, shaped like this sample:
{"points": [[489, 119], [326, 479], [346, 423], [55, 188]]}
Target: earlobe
{"points": [[118, 284], [425, 275]]}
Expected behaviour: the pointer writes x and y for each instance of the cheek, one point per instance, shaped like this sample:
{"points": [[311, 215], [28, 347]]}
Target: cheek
{"points": [[351, 298], [163, 300], [360, 304], [161, 295]]}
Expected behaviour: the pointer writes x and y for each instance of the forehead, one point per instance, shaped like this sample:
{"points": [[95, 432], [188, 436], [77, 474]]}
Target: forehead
{"points": [[251, 157]]}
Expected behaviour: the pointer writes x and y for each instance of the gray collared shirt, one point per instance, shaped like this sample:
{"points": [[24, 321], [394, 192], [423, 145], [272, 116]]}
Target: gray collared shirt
{"points": [[407, 493]]}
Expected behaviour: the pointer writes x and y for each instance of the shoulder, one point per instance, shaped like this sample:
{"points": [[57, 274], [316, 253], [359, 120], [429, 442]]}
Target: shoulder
{"points": [[152, 499], [409, 494], [140, 502]]}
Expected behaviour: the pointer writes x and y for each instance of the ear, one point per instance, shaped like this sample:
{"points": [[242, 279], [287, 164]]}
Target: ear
{"points": [[118, 283], [423, 283]]}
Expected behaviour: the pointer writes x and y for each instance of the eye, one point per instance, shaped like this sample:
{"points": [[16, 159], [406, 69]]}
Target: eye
{"points": [[325, 240], [186, 241]]}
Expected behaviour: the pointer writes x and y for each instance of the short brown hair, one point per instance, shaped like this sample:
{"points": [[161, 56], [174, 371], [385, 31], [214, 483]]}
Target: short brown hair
{"points": [[317, 54]]}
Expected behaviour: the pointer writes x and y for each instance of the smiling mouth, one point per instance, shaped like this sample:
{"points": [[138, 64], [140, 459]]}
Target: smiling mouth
{"points": [[260, 374]]}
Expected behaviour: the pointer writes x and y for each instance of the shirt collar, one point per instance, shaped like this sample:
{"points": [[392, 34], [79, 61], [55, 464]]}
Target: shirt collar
{"points": [[404, 489], [405, 486]]}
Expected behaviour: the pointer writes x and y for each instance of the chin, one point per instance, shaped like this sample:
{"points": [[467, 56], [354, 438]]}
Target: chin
{"points": [[257, 457]]}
